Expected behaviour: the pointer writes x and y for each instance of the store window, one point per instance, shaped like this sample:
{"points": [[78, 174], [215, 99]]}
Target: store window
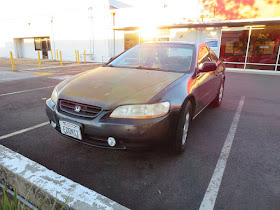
{"points": [[233, 47], [263, 51], [165, 39], [163, 35], [131, 38], [264, 45]]}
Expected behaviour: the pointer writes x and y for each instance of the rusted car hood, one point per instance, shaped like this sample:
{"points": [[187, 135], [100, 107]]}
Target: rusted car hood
{"points": [[109, 87]]}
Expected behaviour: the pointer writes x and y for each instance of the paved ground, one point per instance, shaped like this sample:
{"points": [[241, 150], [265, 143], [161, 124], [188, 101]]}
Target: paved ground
{"points": [[26, 63], [154, 179]]}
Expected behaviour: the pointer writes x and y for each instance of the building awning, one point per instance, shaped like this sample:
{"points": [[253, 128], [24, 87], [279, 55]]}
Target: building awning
{"points": [[203, 24]]}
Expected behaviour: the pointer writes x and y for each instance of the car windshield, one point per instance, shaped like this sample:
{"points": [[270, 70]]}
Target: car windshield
{"points": [[160, 56]]}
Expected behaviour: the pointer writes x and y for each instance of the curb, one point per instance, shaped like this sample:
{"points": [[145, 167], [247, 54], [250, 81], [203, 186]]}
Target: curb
{"points": [[263, 72], [36, 182]]}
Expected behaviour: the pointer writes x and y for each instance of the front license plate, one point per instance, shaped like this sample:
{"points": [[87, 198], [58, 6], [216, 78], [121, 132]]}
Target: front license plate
{"points": [[70, 129]]}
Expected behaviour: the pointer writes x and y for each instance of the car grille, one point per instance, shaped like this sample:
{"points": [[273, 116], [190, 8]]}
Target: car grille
{"points": [[85, 110]]}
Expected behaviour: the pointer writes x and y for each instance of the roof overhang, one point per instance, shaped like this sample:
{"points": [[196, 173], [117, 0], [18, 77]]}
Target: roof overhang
{"points": [[31, 37], [203, 24]]}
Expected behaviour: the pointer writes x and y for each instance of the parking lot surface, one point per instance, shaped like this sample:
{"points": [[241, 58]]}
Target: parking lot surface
{"points": [[154, 179], [27, 63]]}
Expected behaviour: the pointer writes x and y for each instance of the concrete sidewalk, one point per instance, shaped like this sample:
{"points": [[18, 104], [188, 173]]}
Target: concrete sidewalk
{"points": [[26, 63], [35, 183]]}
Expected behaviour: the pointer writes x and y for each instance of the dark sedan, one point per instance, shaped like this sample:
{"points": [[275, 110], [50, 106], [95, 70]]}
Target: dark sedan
{"points": [[146, 95]]}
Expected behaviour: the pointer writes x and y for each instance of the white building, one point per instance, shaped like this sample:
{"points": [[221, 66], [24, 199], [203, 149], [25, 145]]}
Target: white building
{"points": [[62, 25], [247, 37]]}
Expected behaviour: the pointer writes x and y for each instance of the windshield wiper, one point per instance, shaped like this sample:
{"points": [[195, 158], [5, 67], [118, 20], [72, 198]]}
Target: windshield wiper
{"points": [[147, 68], [110, 65]]}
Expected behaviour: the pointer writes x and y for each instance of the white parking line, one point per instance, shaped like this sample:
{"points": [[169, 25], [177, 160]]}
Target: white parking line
{"points": [[24, 91], [210, 196], [23, 130]]}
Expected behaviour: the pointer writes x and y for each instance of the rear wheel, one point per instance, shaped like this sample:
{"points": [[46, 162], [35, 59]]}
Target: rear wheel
{"points": [[182, 131], [218, 100]]}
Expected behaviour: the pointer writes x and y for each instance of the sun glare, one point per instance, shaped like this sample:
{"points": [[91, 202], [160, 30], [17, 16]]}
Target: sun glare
{"points": [[148, 32]]}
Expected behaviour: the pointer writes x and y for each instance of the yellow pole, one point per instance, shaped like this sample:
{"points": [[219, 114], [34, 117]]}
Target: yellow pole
{"points": [[56, 55], [85, 56], [60, 58], [78, 54], [12, 60], [52, 54], [39, 59]]}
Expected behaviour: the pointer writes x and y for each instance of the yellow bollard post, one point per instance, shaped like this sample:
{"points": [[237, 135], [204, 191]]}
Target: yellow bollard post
{"points": [[12, 60], [39, 59], [60, 58], [85, 56], [56, 55], [78, 54], [52, 54]]}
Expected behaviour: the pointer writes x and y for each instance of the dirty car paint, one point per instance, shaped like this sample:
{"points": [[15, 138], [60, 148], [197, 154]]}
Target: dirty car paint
{"points": [[109, 87]]}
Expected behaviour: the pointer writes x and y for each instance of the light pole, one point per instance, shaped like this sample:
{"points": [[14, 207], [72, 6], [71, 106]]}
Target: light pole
{"points": [[53, 36], [91, 37], [114, 35]]}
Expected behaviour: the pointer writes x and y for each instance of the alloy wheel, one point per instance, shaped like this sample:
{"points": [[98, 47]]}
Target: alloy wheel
{"points": [[186, 128], [221, 93]]}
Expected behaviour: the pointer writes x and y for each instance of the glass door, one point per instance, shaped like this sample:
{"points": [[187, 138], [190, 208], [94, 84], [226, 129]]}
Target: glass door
{"points": [[233, 49], [277, 66], [263, 48], [255, 47]]}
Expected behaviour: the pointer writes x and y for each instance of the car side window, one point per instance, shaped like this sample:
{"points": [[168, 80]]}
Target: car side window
{"points": [[213, 55], [203, 56]]}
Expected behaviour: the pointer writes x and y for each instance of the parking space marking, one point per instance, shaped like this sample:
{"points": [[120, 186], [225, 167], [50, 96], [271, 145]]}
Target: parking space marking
{"points": [[24, 91], [23, 130], [210, 196]]}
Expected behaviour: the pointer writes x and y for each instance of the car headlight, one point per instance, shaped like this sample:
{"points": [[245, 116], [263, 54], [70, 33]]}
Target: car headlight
{"points": [[54, 96], [141, 111]]}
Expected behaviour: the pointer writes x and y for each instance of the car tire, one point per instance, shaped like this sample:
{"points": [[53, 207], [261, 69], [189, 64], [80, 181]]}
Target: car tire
{"points": [[182, 130], [219, 97]]}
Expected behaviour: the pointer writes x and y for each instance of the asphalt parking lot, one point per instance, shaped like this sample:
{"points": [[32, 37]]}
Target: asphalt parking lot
{"points": [[154, 179]]}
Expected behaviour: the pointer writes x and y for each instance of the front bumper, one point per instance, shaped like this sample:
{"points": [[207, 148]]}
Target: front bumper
{"points": [[129, 133]]}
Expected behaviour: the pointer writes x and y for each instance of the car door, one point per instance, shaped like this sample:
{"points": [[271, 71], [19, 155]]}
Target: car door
{"points": [[207, 88]]}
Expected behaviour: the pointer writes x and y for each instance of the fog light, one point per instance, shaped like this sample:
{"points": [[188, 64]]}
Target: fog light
{"points": [[53, 124], [111, 141]]}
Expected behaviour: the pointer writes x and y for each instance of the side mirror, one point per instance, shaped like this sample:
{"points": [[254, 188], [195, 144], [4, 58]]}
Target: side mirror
{"points": [[208, 66]]}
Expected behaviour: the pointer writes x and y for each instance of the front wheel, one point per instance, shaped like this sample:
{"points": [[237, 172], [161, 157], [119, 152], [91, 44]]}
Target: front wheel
{"points": [[182, 131], [219, 97]]}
